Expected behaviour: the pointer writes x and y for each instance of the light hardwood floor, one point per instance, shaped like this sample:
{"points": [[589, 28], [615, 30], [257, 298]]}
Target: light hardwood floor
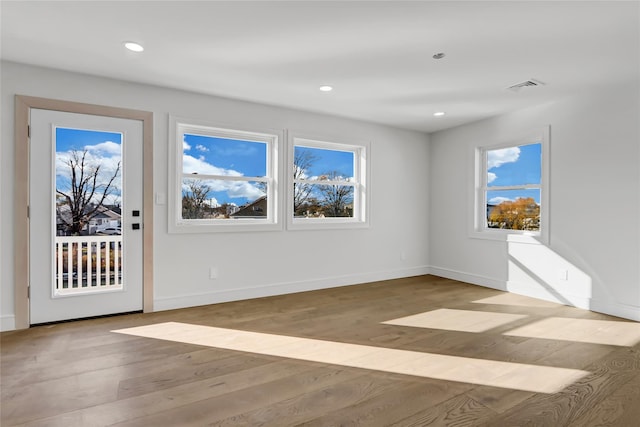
{"points": [[410, 352]]}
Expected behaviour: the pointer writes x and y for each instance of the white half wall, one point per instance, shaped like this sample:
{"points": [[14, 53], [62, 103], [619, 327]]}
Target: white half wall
{"points": [[249, 264], [593, 257]]}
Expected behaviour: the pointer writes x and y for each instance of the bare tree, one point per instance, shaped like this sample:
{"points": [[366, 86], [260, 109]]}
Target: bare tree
{"points": [[302, 162], [194, 199], [335, 198], [86, 194]]}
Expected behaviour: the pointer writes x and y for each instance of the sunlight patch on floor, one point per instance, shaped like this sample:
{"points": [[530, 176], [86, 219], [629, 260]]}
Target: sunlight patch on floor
{"points": [[517, 376], [607, 332], [516, 300], [457, 320]]}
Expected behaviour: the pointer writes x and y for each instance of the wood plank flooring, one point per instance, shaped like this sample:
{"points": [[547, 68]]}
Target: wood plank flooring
{"points": [[85, 374]]}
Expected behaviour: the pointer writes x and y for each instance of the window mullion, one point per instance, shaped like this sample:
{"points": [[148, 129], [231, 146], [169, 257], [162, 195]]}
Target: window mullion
{"points": [[313, 182], [216, 197], [328, 199], [224, 177], [514, 187]]}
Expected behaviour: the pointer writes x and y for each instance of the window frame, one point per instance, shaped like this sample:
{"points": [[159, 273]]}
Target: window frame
{"points": [[178, 127], [361, 175], [478, 226]]}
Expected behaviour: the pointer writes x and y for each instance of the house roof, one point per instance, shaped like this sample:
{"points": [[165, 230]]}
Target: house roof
{"points": [[248, 210], [103, 212]]}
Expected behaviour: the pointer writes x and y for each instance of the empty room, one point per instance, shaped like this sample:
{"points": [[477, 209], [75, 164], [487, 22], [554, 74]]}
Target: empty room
{"points": [[320, 213]]}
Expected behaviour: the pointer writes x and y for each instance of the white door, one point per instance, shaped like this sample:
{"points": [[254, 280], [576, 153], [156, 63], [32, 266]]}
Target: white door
{"points": [[85, 221]]}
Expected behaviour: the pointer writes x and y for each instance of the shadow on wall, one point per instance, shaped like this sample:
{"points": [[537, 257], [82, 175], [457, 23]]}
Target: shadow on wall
{"points": [[537, 271]]}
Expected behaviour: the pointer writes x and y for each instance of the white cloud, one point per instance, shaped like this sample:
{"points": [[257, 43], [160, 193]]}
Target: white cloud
{"points": [[234, 189], [185, 146], [191, 164], [243, 189], [198, 166], [105, 148], [107, 155], [498, 200], [491, 177], [202, 148], [496, 158]]}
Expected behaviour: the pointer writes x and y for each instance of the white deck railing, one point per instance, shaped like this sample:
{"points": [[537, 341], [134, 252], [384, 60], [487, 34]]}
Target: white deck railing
{"points": [[85, 264]]}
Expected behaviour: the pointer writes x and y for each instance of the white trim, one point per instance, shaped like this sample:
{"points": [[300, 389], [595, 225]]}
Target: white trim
{"points": [[611, 308], [273, 138], [7, 322], [474, 279], [362, 175], [624, 311], [191, 300], [477, 213], [539, 292]]}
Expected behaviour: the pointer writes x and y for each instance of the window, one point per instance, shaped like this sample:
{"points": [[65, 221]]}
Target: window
{"points": [[225, 180], [327, 185], [511, 184]]}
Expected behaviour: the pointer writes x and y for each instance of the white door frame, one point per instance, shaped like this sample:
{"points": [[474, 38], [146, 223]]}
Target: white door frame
{"points": [[23, 106]]}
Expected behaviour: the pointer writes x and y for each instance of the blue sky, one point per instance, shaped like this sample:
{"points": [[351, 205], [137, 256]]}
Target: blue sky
{"points": [[78, 139], [514, 166], [329, 161], [207, 155], [227, 156]]}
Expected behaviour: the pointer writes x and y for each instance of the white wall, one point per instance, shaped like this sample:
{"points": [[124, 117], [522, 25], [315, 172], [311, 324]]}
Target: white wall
{"points": [[420, 202], [594, 206], [250, 264]]}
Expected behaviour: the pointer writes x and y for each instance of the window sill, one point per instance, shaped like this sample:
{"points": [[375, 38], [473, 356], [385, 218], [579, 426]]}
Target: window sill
{"points": [[508, 236]]}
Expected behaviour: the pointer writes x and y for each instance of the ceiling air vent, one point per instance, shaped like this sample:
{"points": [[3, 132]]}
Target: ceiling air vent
{"points": [[528, 83]]}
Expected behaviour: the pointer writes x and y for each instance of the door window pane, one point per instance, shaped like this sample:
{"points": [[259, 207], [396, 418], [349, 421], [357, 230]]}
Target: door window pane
{"points": [[88, 208]]}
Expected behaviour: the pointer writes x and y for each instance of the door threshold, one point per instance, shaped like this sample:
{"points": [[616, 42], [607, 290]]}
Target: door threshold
{"points": [[56, 322]]}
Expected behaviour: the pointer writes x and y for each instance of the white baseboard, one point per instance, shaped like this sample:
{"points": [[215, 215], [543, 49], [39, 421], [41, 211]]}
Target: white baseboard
{"points": [[601, 306], [538, 292], [625, 311], [7, 322], [474, 279], [192, 300]]}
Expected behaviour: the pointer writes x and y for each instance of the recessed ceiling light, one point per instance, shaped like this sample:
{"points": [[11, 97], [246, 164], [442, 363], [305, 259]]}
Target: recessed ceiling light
{"points": [[133, 46], [439, 114], [438, 55], [326, 88]]}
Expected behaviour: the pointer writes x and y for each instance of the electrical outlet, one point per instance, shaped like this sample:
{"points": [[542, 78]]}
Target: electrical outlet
{"points": [[213, 273], [563, 274]]}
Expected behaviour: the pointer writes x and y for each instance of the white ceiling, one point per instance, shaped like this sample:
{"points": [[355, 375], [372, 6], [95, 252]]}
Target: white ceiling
{"points": [[377, 55]]}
